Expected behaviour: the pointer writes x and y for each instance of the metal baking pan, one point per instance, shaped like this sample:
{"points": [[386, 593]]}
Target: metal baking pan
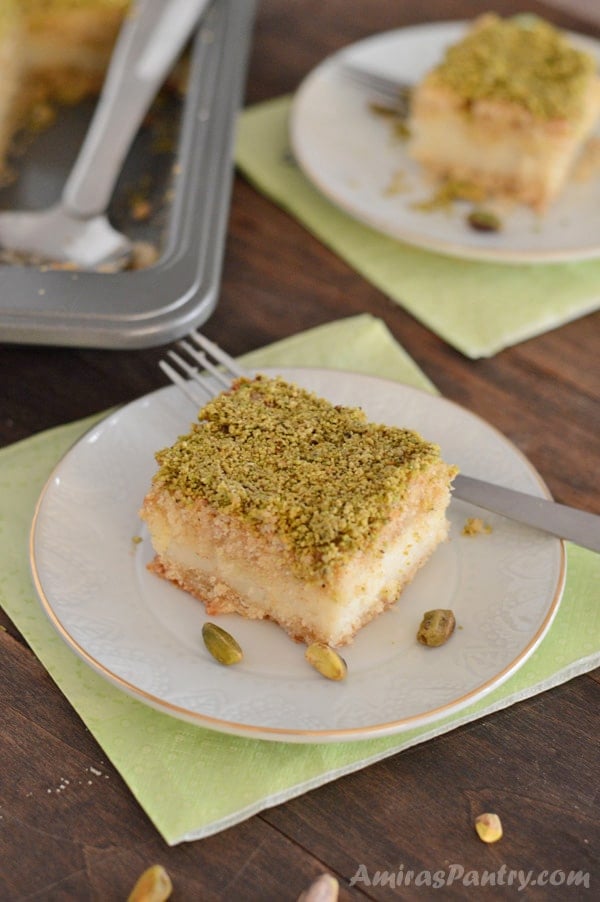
{"points": [[182, 164]]}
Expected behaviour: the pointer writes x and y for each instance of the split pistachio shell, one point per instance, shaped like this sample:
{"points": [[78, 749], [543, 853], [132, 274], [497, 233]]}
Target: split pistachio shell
{"points": [[324, 889], [154, 885], [326, 660], [489, 827], [221, 644], [436, 627]]}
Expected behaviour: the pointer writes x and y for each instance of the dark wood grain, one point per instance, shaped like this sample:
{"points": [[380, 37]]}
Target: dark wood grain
{"points": [[535, 763]]}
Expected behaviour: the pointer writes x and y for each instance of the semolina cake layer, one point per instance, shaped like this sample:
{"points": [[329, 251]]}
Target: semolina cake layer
{"points": [[498, 148], [231, 569], [283, 506]]}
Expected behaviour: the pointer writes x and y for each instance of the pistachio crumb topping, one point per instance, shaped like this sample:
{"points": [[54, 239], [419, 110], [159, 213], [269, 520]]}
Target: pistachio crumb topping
{"points": [[447, 192], [318, 475], [475, 526], [523, 60]]}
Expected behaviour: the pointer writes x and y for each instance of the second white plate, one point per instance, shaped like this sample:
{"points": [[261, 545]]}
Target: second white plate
{"points": [[352, 156], [144, 635]]}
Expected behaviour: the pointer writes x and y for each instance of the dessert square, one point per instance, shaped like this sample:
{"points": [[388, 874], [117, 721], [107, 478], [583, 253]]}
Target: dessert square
{"points": [[51, 51], [506, 111], [11, 67], [280, 505], [68, 44]]}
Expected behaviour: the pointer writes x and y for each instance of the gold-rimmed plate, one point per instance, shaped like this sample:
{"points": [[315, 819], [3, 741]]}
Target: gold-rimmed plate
{"points": [[144, 635], [356, 159]]}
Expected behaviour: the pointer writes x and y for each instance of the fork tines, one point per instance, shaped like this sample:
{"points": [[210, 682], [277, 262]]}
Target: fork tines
{"points": [[394, 91], [189, 376]]}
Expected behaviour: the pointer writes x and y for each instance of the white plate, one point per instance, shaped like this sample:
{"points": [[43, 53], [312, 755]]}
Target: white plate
{"points": [[144, 635], [352, 156]]}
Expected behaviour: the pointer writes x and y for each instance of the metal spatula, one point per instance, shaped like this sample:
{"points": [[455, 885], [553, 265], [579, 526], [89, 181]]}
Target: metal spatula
{"points": [[77, 230]]}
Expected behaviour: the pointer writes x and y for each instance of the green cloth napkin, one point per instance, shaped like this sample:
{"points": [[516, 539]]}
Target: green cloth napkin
{"points": [[193, 782], [479, 308]]}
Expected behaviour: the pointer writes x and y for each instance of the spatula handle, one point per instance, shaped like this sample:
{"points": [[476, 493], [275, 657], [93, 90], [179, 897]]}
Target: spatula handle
{"points": [[151, 39]]}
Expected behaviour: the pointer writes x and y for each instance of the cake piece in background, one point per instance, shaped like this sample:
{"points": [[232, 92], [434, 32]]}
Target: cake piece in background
{"points": [[68, 44], [11, 66], [51, 52], [281, 505], [507, 110]]}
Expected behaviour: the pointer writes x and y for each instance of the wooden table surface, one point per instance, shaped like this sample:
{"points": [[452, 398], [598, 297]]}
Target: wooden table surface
{"points": [[535, 763]]}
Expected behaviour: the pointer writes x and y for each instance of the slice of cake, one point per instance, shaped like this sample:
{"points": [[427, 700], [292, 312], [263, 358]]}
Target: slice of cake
{"points": [[68, 45], [283, 506], [11, 66], [507, 110], [51, 52]]}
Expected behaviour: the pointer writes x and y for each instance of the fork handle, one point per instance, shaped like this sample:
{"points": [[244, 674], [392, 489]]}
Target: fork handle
{"points": [[560, 520], [151, 38]]}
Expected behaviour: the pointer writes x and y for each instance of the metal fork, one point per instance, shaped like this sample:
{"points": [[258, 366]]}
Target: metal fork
{"points": [[394, 92], [559, 520], [189, 377]]}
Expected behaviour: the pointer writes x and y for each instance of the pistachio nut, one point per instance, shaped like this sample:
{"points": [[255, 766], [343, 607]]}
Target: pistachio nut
{"points": [[154, 885], [324, 889], [436, 627], [326, 660], [221, 644], [484, 221], [489, 827]]}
